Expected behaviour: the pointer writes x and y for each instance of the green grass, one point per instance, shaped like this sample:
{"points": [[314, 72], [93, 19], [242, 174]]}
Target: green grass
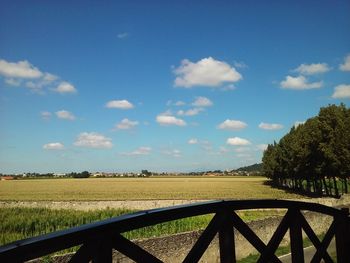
{"points": [[20, 223], [283, 250], [153, 188]]}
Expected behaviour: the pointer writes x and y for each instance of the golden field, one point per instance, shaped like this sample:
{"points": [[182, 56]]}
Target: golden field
{"points": [[151, 188]]}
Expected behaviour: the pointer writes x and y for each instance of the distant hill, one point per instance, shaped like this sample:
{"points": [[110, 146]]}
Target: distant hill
{"points": [[251, 168]]}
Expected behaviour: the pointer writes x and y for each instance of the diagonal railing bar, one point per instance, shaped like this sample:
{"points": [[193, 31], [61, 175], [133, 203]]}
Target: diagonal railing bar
{"points": [[133, 251], [104, 250], [296, 237], [320, 252], [249, 234], [313, 238], [276, 238], [204, 240], [84, 253]]}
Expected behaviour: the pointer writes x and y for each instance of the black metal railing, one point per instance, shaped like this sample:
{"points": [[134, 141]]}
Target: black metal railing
{"points": [[98, 239]]}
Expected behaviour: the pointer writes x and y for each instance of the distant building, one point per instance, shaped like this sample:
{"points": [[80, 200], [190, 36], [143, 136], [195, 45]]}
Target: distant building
{"points": [[4, 178]]}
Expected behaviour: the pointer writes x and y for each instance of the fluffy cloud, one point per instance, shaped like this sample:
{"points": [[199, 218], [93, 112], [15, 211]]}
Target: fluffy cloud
{"points": [[65, 115], [167, 120], [53, 146], [270, 126], [262, 147], [126, 124], [236, 141], [119, 104], [177, 103], [205, 72], [346, 65], [13, 82], [174, 153], [21, 69], [202, 102], [299, 83], [141, 151], [311, 69], [190, 112], [123, 35], [192, 141], [24, 73], [45, 115], [341, 92], [232, 125], [93, 140], [65, 87]]}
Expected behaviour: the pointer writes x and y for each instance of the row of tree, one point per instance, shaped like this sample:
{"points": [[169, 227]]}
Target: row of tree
{"points": [[313, 157]]}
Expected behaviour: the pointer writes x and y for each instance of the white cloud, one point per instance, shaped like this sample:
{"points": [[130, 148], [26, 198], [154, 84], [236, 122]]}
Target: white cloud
{"points": [[179, 103], [24, 73], [202, 102], [240, 64], [167, 120], [236, 141], [192, 141], [270, 126], [13, 82], [228, 87], [190, 112], [119, 104], [223, 150], [205, 72], [174, 153], [262, 147], [126, 124], [341, 92], [233, 125], [93, 140], [45, 115], [49, 77], [65, 115], [299, 83], [242, 149], [141, 151], [123, 35], [21, 69], [53, 146], [311, 69], [346, 65], [65, 87]]}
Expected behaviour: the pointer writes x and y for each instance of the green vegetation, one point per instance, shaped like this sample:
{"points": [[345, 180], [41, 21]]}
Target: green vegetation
{"points": [[314, 157], [20, 223], [150, 188], [251, 168]]}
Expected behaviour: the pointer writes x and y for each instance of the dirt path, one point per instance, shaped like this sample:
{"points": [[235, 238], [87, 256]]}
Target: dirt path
{"points": [[140, 204], [94, 205]]}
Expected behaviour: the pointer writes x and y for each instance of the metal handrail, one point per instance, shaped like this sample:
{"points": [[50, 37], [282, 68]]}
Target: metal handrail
{"points": [[99, 238]]}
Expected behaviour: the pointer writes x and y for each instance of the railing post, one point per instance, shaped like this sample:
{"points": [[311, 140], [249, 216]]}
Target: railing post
{"points": [[104, 251], [342, 237], [296, 237], [227, 239]]}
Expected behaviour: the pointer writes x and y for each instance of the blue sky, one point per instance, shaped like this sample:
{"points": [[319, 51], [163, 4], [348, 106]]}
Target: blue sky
{"points": [[163, 85]]}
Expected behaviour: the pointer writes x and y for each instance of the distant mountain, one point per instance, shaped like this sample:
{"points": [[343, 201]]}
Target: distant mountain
{"points": [[251, 168]]}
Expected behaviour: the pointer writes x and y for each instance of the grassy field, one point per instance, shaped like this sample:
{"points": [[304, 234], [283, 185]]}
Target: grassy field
{"points": [[153, 188], [19, 223]]}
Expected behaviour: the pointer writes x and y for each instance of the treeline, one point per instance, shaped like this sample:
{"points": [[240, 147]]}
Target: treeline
{"points": [[313, 157]]}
